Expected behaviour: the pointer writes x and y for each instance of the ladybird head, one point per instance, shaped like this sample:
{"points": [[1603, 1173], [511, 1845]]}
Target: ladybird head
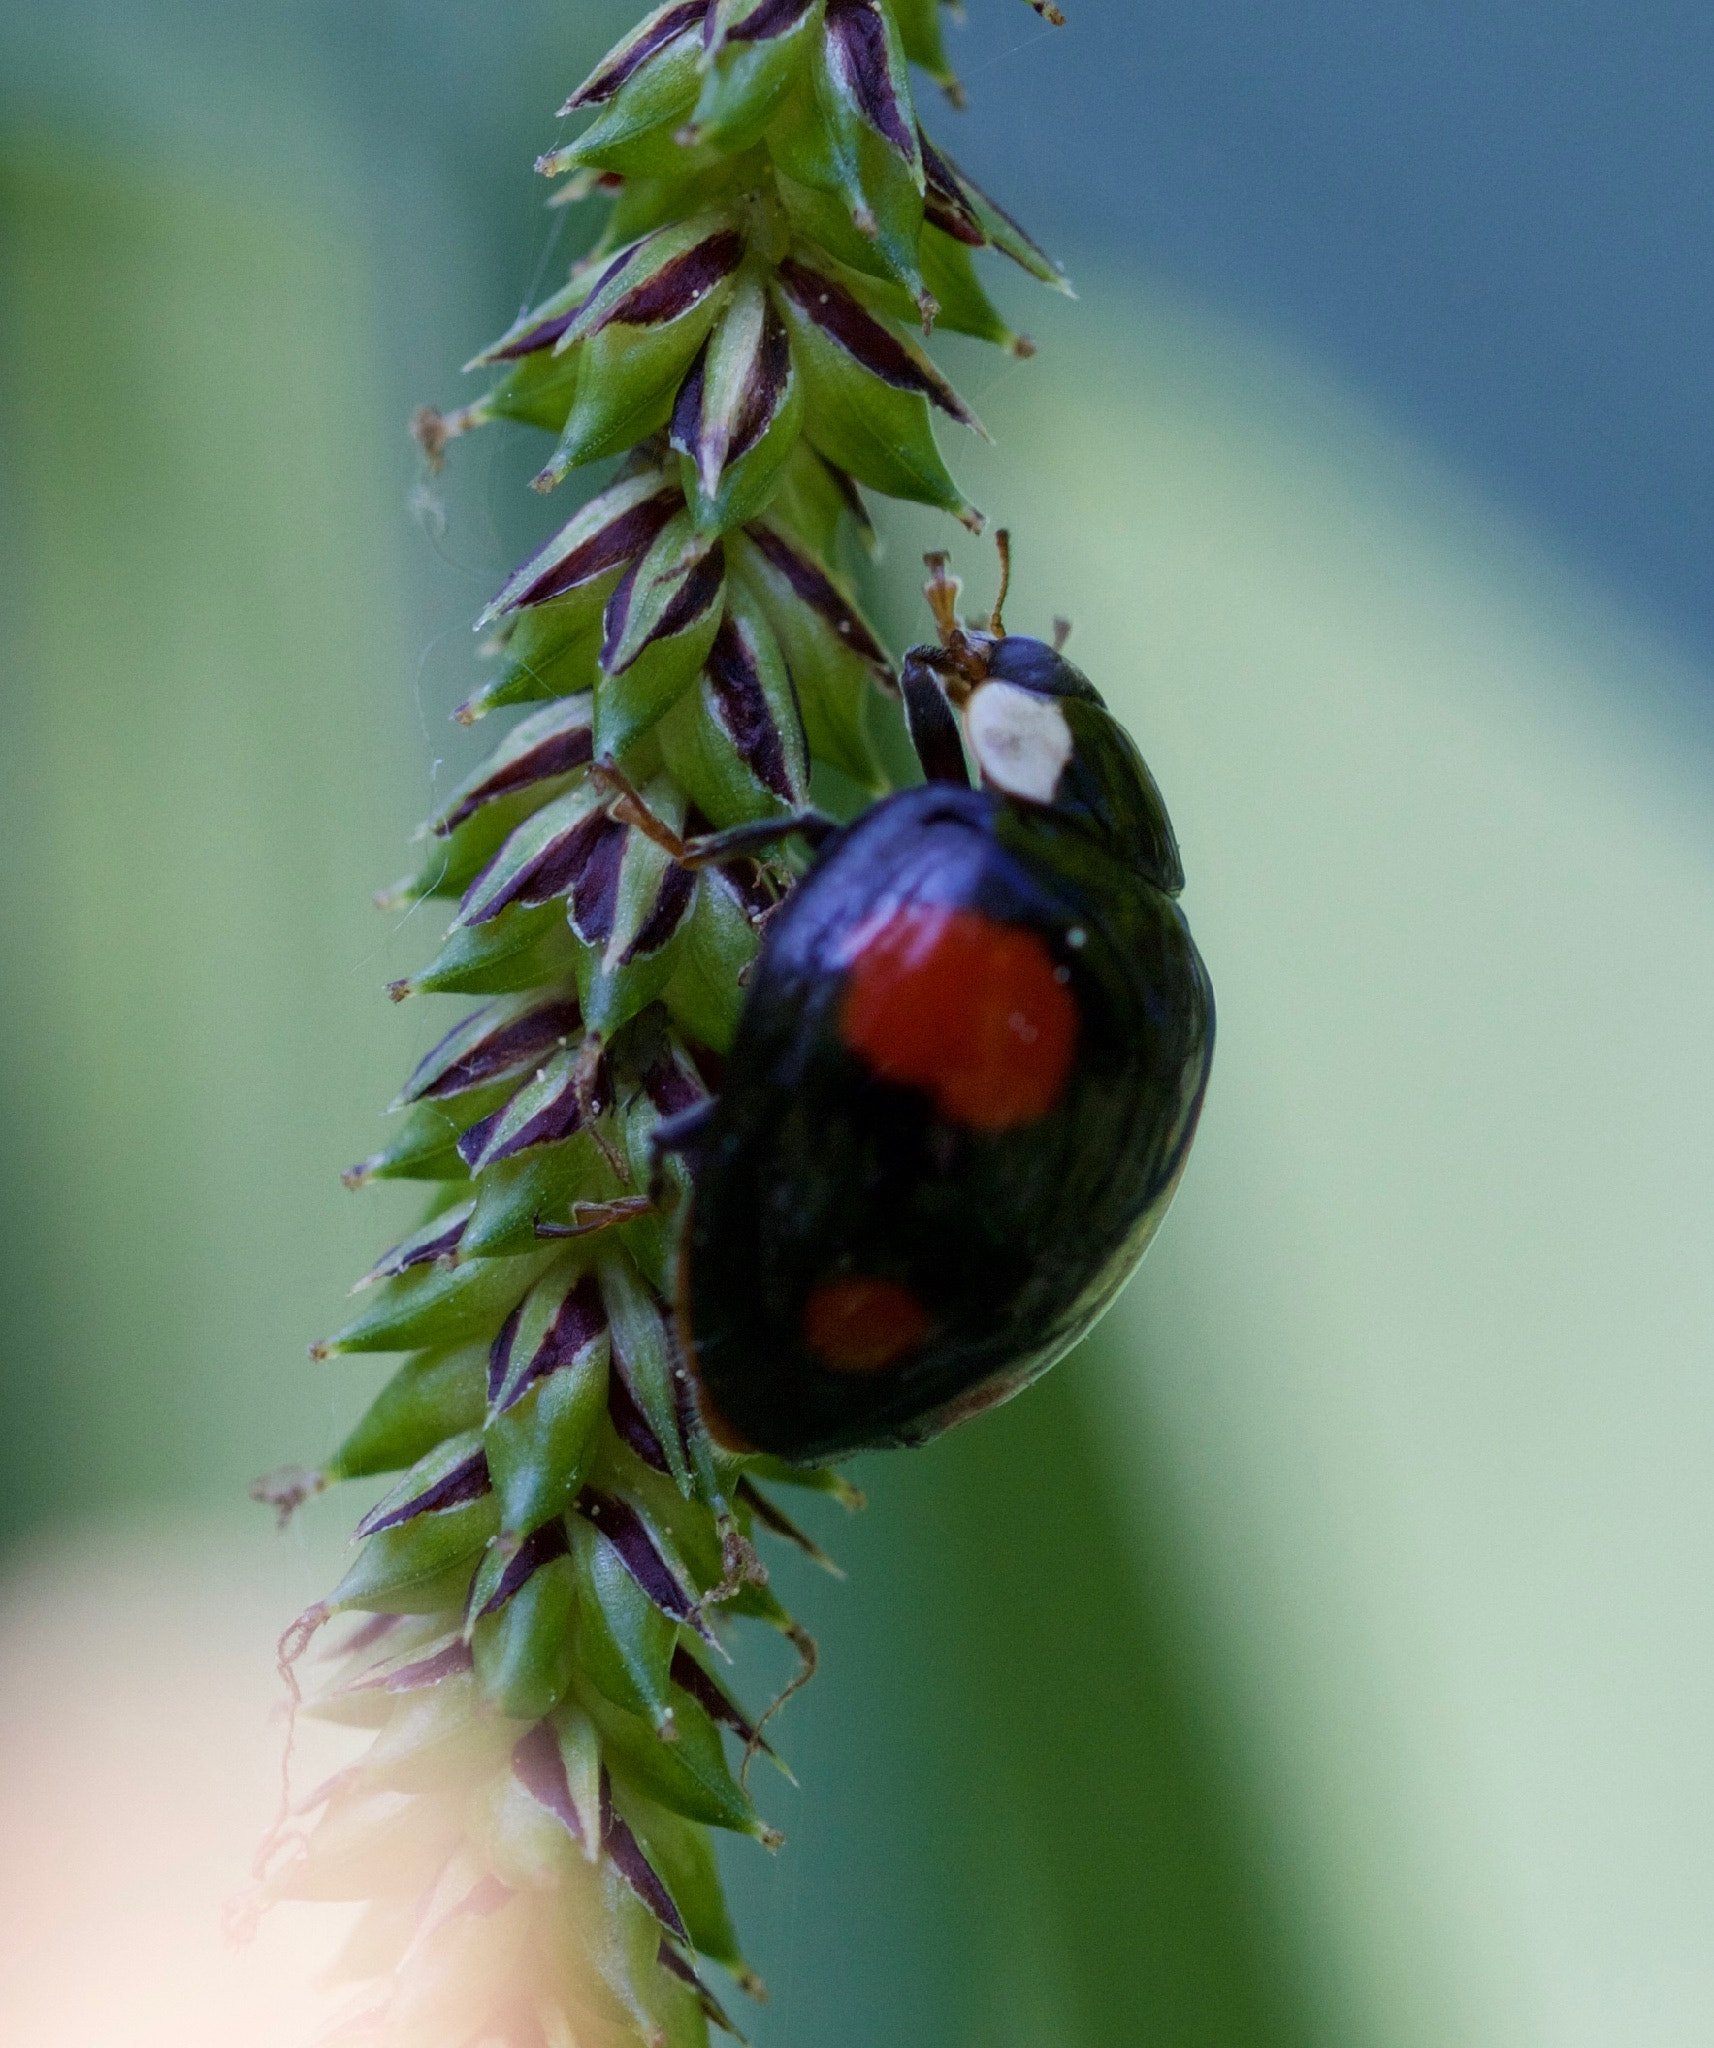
{"points": [[1038, 731]]}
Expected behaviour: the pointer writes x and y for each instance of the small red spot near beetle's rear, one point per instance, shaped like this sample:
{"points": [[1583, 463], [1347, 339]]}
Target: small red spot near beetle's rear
{"points": [[973, 1010], [863, 1326]]}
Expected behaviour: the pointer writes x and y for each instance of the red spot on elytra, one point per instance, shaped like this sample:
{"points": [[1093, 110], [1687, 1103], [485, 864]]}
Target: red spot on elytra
{"points": [[973, 1010], [863, 1326]]}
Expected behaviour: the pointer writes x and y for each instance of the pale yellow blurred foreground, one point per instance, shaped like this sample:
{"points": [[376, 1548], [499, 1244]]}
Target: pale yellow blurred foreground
{"points": [[139, 1762]]}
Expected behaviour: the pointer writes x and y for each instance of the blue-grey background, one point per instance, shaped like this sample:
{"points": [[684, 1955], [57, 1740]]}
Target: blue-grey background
{"points": [[1494, 219], [1322, 1657]]}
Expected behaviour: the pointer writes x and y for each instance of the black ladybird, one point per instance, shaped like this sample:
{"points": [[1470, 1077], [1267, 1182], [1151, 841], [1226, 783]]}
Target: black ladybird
{"points": [[966, 1077]]}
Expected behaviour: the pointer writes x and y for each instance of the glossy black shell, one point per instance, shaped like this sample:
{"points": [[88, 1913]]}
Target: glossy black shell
{"points": [[811, 1166]]}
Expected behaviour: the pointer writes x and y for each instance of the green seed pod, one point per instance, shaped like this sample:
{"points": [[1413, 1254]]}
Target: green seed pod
{"points": [[490, 1049], [549, 1372], [640, 331], [868, 393], [435, 1395], [963, 303], [625, 1642], [660, 624], [738, 415], [649, 1510], [757, 51], [657, 1079], [689, 1775], [552, 612], [546, 651], [684, 2010], [579, 1749], [684, 1856], [538, 390], [920, 34], [417, 1662], [706, 991], [535, 762], [959, 206], [452, 1473], [592, 547], [645, 89], [439, 1304], [736, 742], [549, 1107], [637, 922], [521, 1639], [525, 1842], [534, 865], [434, 1243], [419, 1566], [451, 863], [834, 658], [523, 948], [965, 307], [644, 1354], [538, 382], [815, 502], [624, 1945], [542, 325], [424, 1147], [813, 1480], [850, 132]]}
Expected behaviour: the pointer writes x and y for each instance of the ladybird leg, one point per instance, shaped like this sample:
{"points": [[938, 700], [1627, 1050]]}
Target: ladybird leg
{"points": [[589, 1217], [933, 728], [586, 1080], [676, 1137], [754, 837], [628, 808], [775, 1519], [739, 1564], [679, 1133]]}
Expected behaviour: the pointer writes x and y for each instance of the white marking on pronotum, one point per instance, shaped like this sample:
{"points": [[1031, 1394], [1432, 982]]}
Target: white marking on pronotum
{"points": [[1020, 739]]}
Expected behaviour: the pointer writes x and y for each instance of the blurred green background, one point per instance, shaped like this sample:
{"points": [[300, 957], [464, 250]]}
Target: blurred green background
{"points": [[1323, 1657]]}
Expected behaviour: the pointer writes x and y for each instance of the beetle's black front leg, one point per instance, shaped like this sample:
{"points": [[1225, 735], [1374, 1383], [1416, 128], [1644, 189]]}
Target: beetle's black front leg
{"points": [[736, 841], [933, 726], [816, 827]]}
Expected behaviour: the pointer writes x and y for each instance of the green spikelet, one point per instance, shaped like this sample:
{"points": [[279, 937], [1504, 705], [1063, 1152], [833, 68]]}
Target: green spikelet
{"points": [[536, 1608]]}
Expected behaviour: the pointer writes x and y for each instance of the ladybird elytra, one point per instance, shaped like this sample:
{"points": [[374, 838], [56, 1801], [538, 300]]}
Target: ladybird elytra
{"points": [[965, 1080], [856, 1325], [970, 1010]]}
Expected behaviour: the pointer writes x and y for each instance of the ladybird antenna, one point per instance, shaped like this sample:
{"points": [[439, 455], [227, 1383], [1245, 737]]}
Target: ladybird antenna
{"points": [[1061, 634], [1003, 541]]}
